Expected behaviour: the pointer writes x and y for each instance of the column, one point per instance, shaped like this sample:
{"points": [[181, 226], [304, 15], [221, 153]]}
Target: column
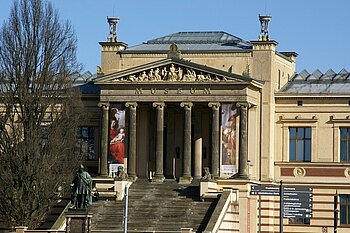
{"points": [[198, 145], [132, 140], [186, 174], [243, 141], [104, 139], [159, 176], [215, 138]]}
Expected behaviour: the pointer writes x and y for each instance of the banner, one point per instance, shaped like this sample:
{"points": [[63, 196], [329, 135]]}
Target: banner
{"points": [[117, 134], [228, 138]]}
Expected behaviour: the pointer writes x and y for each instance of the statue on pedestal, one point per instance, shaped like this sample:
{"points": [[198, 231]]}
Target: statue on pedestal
{"points": [[82, 189]]}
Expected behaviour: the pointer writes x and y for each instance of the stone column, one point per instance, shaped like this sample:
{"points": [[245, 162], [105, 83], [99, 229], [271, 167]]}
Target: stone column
{"points": [[243, 140], [198, 145], [104, 139], [159, 176], [132, 140], [215, 138], [186, 174]]}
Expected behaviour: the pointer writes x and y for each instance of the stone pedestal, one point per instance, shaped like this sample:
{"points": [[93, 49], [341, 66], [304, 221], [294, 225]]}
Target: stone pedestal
{"points": [[119, 188], [78, 221]]}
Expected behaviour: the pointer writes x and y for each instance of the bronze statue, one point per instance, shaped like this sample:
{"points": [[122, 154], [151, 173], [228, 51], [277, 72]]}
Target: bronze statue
{"points": [[82, 189]]}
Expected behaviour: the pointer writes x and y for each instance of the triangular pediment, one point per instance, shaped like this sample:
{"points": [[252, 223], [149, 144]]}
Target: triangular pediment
{"points": [[171, 70]]}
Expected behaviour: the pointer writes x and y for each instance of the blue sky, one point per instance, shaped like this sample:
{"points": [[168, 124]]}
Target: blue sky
{"points": [[318, 30]]}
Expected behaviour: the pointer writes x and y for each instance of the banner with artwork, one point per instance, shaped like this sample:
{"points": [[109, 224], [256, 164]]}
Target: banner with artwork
{"points": [[228, 138], [117, 134]]}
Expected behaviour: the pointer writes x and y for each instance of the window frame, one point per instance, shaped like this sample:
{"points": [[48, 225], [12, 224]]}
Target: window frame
{"points": [[347, 209], [91, 136], [347, 144], [298, 121], [302, 144]]}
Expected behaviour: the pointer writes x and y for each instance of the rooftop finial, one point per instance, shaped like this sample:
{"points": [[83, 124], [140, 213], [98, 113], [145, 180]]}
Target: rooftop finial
{"points": [[113, 21], [264, 31]]}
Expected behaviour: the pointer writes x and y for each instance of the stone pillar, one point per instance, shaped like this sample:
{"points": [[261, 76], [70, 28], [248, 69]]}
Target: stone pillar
{"points": [[186, 174], [215, 138], [159, 176], [132, 140], [198, 145], [243, 140], [104, 139]]}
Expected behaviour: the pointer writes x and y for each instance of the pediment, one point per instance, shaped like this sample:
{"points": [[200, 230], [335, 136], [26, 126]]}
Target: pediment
{"points": [[171, 71]]}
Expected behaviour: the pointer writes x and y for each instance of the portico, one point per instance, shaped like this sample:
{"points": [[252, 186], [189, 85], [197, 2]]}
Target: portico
{"points": [[173, 121]]}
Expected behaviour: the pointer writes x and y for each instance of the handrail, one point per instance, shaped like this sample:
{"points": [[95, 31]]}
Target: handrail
{"points": [[220, 210]]}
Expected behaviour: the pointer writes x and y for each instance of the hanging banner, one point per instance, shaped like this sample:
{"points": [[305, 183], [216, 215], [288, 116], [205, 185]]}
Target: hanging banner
{"points": [[228, 138], [117, 134]]}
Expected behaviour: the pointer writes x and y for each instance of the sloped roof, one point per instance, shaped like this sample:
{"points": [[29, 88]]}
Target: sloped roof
{"points": [[194, 41], [318, 83]]}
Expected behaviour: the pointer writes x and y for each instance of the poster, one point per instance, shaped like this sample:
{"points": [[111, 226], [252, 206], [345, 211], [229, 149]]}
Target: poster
{"points": [[228, 138], [117, 134]]}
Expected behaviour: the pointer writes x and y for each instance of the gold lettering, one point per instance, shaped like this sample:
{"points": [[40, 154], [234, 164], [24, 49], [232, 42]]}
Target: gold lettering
{"points": [[166, 90], [179, 90], [206, 91], [153, 90], [138, 91], [193, 90]]}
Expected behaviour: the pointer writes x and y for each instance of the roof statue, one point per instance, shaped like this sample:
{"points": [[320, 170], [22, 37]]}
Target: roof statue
{"points": [[174, 51], [264, 30], [112, 21]]}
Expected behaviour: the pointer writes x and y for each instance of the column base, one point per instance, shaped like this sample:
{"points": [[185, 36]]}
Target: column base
{"points": [[158, 179], [132, 178], [185, 180], [240, 177]]}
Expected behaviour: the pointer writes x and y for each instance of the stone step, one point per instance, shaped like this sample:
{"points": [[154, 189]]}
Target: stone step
{"points": [[154, 207]]}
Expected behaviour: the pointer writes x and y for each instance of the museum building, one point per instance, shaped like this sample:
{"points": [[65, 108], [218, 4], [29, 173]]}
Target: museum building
{"points": [[170, 107]]}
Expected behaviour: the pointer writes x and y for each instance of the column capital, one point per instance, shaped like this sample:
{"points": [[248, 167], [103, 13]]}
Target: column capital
{"points": [[186, 105], [214, 105], [131, 105], [159, 105], [104, 105], [243, 105]]}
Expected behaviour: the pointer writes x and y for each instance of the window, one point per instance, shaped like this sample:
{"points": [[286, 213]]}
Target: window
{"points": [[86, 142], [300, 144], [344, 209], [299, 220], [345, 144]]}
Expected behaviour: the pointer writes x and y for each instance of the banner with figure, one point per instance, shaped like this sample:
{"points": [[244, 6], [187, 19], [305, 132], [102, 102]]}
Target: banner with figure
{"points": [[117, 134], [228, 138]]}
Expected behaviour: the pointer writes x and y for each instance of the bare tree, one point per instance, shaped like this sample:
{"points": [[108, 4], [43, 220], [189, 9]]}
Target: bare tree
{"points": [[38, 112]]}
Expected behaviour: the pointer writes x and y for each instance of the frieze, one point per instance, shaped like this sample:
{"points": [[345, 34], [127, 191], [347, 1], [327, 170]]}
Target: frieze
{"points": [[171, 73]]}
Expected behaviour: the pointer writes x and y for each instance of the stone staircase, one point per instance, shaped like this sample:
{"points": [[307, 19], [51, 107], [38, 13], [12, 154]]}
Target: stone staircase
{"points": [[165, 207]]}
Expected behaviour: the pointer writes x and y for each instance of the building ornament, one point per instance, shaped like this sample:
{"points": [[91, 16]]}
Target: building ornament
{"points": [[104, 106], [214, 105], [347, 172], [131, 105], [159, 105], [186, 105], [298, 119], [171, 73], [299, 172]]}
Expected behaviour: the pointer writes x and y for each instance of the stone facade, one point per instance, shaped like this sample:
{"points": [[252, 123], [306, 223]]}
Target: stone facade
{"points": [[174, 100]]}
